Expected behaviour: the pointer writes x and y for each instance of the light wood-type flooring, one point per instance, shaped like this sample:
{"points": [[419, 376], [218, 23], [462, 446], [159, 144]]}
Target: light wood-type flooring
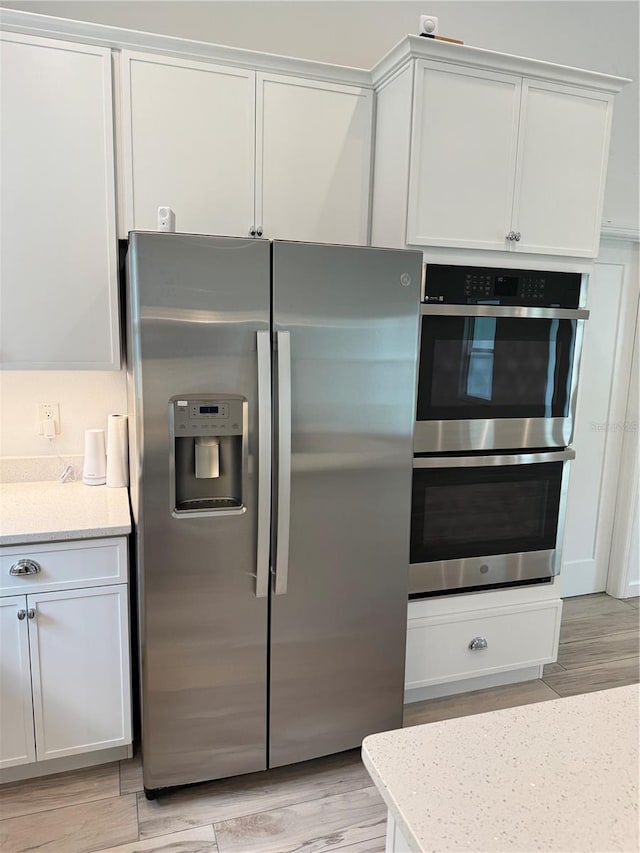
{"points": [[323, 805]]}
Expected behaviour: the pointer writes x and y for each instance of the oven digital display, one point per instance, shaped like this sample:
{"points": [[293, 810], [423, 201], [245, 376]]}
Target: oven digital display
{"points": [[506, 285], [209, 410]]}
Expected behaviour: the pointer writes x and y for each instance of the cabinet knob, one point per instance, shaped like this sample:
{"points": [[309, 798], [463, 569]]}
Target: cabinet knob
{"points": [[21, 614], [31, 613], [252, 231], [517, 236], [259, 230], [25, 567], [478, 643]]}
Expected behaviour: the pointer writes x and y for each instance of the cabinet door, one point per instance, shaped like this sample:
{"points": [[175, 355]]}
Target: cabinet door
{"points": [[463, 156], [562, 158], [17, 745], [189, 139], [58, 225], [313, 155], [79, 644]]}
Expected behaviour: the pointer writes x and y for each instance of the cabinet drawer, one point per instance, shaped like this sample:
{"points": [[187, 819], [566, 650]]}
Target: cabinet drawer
{"points": [[64, 565], [438, 648]]}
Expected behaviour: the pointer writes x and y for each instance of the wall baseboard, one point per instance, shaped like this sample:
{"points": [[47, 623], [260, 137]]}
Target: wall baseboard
{"points": [[580, 577], [453, 688], [61, 765]]}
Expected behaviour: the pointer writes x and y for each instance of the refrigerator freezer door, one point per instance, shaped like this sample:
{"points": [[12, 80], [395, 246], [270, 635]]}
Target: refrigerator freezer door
{"points": [[338, 631], [196, 305]]}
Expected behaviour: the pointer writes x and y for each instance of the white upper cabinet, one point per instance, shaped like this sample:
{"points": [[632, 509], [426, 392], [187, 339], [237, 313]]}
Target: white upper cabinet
{"points": [[238, 152], [58, 268], [188, 144], [313, 156], [497, 152], [563, 147], [463, 156]]}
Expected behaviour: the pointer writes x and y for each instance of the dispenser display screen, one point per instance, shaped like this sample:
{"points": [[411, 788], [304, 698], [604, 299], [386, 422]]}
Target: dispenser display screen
{"points": [[209, 410]]}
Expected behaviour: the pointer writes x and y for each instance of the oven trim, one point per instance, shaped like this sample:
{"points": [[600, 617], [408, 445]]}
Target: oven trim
{"points": [[487, 461], [520, 312], [458, 575]]}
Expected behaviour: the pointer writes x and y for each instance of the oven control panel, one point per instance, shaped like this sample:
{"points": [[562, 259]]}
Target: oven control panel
{"points": [[457, 285]]}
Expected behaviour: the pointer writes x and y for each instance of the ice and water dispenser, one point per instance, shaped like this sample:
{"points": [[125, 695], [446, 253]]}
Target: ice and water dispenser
{"points": [[208, 454]]}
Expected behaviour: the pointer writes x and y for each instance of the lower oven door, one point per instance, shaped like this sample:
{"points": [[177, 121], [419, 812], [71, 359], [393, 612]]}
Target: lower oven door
{"points": [[481, 521]]}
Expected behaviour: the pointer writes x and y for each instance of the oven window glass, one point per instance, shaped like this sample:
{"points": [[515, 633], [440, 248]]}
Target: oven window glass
{"points": [[488, 367], [480, 511]]}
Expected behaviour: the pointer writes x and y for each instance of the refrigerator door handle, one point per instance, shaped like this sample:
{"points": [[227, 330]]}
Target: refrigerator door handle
{"points": [[284, 461], [264, 463]]}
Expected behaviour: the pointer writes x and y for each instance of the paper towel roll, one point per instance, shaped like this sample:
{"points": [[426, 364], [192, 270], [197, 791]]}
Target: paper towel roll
{"points": [[117, 442], [95, 463]]}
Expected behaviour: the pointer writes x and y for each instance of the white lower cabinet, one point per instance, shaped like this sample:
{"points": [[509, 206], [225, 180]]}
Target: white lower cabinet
{"points": [[65, 684], [80, 670], [447, 647], [17, 743]]}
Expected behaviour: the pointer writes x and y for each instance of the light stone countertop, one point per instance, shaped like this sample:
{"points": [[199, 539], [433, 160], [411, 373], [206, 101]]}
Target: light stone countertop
{"points": [[53, 511], [560, 775]]}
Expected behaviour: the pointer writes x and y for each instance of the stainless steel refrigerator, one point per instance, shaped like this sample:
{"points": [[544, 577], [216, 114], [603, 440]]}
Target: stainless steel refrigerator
{"points": [[272, 401]]}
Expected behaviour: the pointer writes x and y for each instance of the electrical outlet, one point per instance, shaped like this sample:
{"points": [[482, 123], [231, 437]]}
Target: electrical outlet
{"points": [[48, 412]]}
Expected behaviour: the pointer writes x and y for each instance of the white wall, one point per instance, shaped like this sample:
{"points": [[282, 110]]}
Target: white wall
{"points": [[85, 398], [599, 35], [603, 421], [624, 574]]}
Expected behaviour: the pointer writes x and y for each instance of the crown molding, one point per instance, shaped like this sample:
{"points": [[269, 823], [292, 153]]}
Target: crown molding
{"points": [[417, 47], [620, 232], [45, 26]]}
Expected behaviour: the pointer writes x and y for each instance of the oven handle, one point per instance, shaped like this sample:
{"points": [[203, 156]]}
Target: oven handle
{"points": [[487, 461], [521, 312]]}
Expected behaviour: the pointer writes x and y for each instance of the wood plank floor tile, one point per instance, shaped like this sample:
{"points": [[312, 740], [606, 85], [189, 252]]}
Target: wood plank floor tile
{"points": [[73, 829], [131, 775], [199, 840], [243, 795], [599, 650], [599, 677], [311, 827], [550, 668], [591, 616], [372, 845], [597, 604], [477, 702], [59, 790], [593, 625], [634, 602]]}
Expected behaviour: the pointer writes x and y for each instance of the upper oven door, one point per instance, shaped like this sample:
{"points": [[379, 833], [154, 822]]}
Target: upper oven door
{"points": [[496, 377]]}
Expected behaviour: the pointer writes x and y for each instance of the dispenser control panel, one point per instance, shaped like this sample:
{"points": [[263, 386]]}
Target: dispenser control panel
{"points": [[207, 416]]}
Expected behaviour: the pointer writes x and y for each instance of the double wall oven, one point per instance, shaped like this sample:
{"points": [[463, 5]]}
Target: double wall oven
{"points": [[499, 356]]}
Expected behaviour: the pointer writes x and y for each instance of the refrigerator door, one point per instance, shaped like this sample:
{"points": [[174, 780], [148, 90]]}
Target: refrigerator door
{"points": [[346, 323], [196, 306]]}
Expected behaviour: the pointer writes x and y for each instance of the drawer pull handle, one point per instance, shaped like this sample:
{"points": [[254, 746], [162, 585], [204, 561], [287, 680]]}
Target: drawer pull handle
{"points": [[24, 567], [478, 643]]}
